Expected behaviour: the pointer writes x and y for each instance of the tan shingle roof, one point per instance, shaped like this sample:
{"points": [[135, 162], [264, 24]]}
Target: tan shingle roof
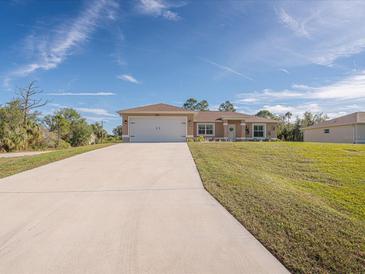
{"points": [[154, 108], [200, 116], [353, 118], [213, 116]]}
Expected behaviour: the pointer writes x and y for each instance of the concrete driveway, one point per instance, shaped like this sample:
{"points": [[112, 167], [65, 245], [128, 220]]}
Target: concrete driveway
{"points": [[128, 208]]}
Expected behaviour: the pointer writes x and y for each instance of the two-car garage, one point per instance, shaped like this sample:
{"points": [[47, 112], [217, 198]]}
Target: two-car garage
{"points": [[157, 128]]}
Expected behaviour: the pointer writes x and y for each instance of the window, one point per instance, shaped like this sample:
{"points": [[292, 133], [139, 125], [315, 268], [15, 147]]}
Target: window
{"points": [[326, 130], [258, 131], [205, 129]]}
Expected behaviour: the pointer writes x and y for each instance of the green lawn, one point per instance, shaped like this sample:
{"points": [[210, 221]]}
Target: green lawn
{"points": [[304, 201], [10, 166]]}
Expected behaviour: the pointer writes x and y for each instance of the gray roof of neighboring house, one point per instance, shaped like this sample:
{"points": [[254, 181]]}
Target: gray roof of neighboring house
{"points": [[350, 119], [199, 116]]}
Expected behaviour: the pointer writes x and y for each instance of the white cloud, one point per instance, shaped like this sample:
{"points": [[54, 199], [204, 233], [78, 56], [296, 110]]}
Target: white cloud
{"points": [[307, 32], [170, 15], [284, 70], [295, 109], [227, 69], [93, 119], [332, 115], [97, 111], [51, 49], [300, 86], [80, 93], [297, 27], [158, 8], [248, 100], [281, 94], [333, 28], [344, 96], [128, 78], [352, 87]]}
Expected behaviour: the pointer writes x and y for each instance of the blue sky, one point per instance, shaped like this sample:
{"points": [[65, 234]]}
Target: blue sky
{"points": [[102, 56]]}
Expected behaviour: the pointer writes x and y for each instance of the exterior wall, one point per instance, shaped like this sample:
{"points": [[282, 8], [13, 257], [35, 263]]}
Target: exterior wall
{"points": [[192, 126], [361, 117], [219, 131], [125, 133], [237, 123], [360, 133], [271, 129], [248, 130], [338, 134]]}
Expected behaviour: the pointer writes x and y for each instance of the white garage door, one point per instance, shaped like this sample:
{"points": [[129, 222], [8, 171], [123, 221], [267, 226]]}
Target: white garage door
{"points": [[157, 129]]}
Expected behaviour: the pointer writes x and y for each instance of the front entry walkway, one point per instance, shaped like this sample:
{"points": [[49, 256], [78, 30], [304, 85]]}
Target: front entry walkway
{"points": [[128, 208]]}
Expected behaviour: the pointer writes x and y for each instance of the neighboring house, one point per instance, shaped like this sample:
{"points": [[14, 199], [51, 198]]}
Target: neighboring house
{"points": [[345, 129], [167, 123]]}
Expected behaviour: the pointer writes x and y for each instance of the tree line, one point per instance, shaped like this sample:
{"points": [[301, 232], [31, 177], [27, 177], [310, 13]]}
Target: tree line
{"points": [[292, 130], [22, 126], [288, 129], [195, 105]]}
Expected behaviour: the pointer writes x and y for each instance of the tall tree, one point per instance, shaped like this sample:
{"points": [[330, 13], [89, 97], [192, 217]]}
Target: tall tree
{"points": [[118, 131], [58, 124], [12, 133], [202, 106], [99, 132], [266, 114], [190, 104], [80, 133], [29, 101], [68, 124], [290, 131], [288, 116], [227, 106], [193, 104]]}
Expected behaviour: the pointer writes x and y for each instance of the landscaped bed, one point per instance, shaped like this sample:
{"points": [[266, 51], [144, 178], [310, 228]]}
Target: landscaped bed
{"points": [[10, 166], [304, 201]]}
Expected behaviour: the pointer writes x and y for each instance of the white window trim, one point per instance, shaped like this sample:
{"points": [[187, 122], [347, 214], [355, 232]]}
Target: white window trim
{"points": [[197, 129], [253, 131]]}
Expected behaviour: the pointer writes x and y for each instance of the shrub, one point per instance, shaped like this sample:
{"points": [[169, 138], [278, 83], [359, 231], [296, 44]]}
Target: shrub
{"points": [[200, 139]]}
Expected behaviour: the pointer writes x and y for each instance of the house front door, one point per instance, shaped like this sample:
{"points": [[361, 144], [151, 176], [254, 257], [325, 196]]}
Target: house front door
{"points": [[232, 132]]}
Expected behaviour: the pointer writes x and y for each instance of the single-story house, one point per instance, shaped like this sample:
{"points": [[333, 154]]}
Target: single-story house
{"points": [[345, 129], [167, 123]]}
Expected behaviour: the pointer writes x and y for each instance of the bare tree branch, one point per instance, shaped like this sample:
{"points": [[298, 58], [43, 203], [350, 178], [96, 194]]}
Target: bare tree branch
{"points": [[29, 101]]}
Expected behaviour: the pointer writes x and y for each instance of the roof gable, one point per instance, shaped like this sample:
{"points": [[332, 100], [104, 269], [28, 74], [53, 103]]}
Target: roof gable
{"points": [[154, 108], [200, 116]]}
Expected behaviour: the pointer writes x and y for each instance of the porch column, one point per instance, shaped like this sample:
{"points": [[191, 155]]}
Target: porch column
{"points": [[225, 129], [243, 130]]}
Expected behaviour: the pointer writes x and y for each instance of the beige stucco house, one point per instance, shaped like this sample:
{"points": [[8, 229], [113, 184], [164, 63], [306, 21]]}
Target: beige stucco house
{"points": [[345, 129], [167, 123]]}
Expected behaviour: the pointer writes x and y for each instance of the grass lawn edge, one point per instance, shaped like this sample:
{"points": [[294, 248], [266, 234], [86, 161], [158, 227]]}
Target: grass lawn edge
{"points": [[15, 165], [234, 216], [215, 166]]}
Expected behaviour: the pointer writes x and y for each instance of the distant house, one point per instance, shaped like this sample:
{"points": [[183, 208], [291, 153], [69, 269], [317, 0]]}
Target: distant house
{"points": [[344, 129], [167, 123]]}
